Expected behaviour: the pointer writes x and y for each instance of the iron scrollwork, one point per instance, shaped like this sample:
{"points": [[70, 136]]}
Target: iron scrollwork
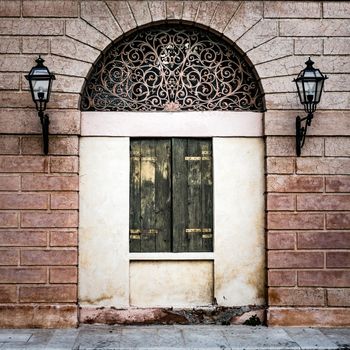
{"points": [[176, 68]]}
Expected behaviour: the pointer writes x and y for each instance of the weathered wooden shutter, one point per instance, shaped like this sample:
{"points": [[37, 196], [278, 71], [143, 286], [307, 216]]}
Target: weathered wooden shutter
{"points": [[150, 195], [192, 195], [171, 195]]}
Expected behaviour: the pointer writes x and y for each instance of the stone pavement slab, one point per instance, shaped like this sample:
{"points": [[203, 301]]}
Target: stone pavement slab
{"points": [[176, 337]]}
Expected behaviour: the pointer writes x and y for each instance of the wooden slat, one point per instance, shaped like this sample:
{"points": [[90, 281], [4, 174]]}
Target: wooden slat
{"points": [[163, 195], [180, 212], [207, 194], [194, 199], [135, 196], [148, 177]]}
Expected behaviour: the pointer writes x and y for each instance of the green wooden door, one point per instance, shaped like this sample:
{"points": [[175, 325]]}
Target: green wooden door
{"points": [[171, 195]]}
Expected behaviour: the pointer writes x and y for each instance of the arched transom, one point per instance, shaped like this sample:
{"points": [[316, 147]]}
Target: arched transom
{"points": [[175, 67]]}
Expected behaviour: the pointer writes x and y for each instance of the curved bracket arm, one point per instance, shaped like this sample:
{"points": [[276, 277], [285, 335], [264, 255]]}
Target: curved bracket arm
{"points": [[301, 131], [44, 119]]}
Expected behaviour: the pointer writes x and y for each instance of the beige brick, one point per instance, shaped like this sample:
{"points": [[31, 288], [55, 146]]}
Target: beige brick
{"points": [[23, 275], [290, 65], [23, 201], [294, 183], [68, 84], [324, 278], [10, 8], [273, 49], [10, 45], [58, 145], [14, 99], [338, 297], [9, 257], [23, 164], [40, 316], [99, 16], [290, 9], [17, 63], [223, 14], [338, 184], [285, 146], [9, 81], [64, 238], [337, 146], [10, 183], [64, 164], [280, 165], [74, 49], [49, 257], [64, 200], [63, 275], [8, 219], [308, 46], [80, 30], [190, 9], [278, 84], [36, 45], [263, 31], [280, 202], [281, 259], [315, 27], [296, 297], [206, 11], [174, 9], [336, 9], [292, 221], [54, 219], [157, 10], [282, 278], [49, 183], [122, 12], [140, 12], [308, 317], [64, 101], [323, 166], [324, 240], [338, 221], [331, 123], [8, 294], [281, 240], [248, 14], [337, 46], [28, 26], [12, 238], [9, 145], [334, 100], [67, 66], [48, 294], [47, 8], [16, 121], [282, 101], [319, 202], [342, 83]]}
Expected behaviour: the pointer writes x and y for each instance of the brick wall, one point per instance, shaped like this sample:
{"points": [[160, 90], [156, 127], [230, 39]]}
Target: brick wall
{"points": [[308, 217]]}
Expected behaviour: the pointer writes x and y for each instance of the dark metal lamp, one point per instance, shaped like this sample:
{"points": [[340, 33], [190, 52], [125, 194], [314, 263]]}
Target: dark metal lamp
{"points": [[40, 82], [310, 84]]}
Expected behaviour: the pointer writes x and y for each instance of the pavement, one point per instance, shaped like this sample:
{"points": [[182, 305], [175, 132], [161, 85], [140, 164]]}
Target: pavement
{"points": [[176, 337]]}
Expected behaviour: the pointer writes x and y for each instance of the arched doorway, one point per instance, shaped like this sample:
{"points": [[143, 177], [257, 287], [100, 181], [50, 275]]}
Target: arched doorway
{"points": [[171, 195]]}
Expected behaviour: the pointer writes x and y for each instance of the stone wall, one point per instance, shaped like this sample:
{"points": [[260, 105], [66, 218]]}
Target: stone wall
{"points": [[308, 218]]}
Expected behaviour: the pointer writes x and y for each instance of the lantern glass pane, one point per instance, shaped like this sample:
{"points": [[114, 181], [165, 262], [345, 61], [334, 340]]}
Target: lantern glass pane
{"points": [[319, 90], [300, 91], [40, 89]]}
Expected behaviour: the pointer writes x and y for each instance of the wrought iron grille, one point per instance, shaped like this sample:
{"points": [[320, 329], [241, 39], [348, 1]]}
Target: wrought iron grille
{"points": [[176, 68]]}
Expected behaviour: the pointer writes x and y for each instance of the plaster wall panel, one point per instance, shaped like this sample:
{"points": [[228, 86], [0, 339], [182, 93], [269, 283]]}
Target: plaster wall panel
{"points": [[171, 283], [239, 221], [104, 222]]}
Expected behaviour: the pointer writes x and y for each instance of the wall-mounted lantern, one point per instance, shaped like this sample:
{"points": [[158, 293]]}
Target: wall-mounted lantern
{"points": [[310, 84], [40, 81]]}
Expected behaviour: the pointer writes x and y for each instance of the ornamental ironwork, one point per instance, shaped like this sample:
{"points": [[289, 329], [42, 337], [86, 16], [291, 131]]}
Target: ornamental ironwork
{"points": [[176, 68]]}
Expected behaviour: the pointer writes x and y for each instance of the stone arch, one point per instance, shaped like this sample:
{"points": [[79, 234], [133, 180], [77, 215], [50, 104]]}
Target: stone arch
{"points": [[210, 71]]}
